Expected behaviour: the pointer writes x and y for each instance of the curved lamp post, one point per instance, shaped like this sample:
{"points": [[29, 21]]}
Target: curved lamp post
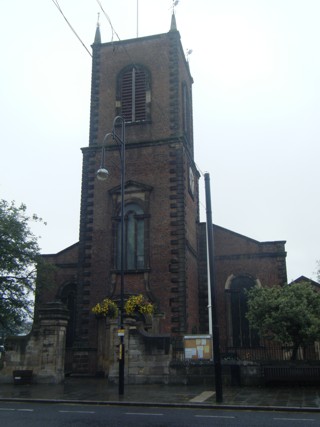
{"points": [[102, 175]]}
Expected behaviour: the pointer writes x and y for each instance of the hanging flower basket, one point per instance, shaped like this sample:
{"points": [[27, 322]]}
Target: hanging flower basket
{"points": [[106, 308], [137, 304]]}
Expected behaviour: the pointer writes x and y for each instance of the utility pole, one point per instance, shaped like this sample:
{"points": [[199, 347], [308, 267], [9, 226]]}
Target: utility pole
{"points": [[215, 326]]}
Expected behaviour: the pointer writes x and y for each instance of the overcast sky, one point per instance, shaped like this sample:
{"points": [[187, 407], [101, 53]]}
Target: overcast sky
{"points": [[256, 69]]}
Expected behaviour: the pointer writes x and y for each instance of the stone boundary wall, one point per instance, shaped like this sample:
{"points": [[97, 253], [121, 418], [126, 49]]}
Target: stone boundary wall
{"points": [[41, 353]]}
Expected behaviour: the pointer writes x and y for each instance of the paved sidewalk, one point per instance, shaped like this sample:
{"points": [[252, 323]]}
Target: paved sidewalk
{"points": [[91, 390]]}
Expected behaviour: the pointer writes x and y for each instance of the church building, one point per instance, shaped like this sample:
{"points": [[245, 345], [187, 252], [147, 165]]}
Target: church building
{"points": [[147, 82]]}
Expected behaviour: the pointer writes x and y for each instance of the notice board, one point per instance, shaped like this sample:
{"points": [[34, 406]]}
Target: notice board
{"points": [[197, 347]]}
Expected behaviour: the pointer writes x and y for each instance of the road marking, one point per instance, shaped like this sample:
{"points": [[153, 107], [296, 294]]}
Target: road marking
{"points": [[294, 419], [202, 397], [25, 410], [78, 412], [144, 414], [215, 416], [7, 409]]}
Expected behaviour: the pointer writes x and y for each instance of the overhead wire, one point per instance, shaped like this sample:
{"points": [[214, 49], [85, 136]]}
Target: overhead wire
{"points": [[109, 20], [115, 32], [55, 2]]}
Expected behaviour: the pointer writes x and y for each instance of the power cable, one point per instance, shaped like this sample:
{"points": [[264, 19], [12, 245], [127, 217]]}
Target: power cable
{"points": [[73, 30]]}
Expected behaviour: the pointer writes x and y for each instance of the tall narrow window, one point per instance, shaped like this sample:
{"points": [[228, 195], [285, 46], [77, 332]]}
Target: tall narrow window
{"points": [[134, 258], [242, 334], [186, 113], [134, 94]]}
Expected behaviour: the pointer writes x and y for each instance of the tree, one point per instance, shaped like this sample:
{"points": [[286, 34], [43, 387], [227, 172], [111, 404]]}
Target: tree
{"points": [[19, 254], [318, 271], [287, 314]]}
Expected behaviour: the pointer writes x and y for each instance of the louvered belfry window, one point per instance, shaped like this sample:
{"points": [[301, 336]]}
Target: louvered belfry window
{"points": [[133, 95]]}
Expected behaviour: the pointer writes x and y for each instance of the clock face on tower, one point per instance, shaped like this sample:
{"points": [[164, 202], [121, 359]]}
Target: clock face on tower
{"points": [[191, 180]]}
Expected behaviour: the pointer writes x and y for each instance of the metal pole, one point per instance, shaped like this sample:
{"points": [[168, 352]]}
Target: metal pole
{"points": [[215, 328], [102, 174], [121, 140], [137, 18], [209, 288]]}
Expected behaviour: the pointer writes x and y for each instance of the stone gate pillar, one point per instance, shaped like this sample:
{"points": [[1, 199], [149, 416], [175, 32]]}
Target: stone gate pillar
{"points": [[52, 342]]}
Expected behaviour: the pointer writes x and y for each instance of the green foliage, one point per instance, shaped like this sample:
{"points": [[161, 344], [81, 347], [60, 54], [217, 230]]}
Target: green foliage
{"points": [[19, 254], [318, 271], [288, 314]]}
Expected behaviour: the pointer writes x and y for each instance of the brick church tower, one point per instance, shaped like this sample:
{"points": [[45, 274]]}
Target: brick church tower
{"points": [[147, 82]]}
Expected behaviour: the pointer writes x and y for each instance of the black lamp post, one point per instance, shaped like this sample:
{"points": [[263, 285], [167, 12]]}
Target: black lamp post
{"points": [[213, 302], [102, 174]]}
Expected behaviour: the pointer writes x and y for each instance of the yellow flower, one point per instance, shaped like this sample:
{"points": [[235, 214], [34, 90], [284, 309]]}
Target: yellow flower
{"points": [[134, 304], [106, 308], [137, 303]]}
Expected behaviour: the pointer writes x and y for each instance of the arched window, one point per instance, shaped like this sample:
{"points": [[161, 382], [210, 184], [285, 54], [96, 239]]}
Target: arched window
{"points": [[134, 234], [133, 94], [241, 333]]}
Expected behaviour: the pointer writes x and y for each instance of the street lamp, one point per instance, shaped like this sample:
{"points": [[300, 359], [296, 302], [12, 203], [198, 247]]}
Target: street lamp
{"points": [[102, 175]]}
